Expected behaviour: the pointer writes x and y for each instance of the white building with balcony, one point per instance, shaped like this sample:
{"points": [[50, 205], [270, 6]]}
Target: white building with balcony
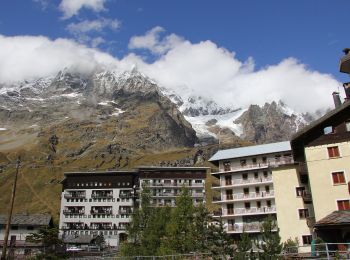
{"points": [[165, 183], [253, 183], [98, 203]]}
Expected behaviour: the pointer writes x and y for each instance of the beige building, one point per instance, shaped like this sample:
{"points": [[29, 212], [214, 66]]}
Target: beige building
{"points": [[324, 147], [260, 181]]}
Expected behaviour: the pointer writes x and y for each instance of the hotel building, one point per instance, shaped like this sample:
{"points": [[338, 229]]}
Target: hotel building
{"points": [[165, 183], [101, 203], [258, 181], [98, 203]]}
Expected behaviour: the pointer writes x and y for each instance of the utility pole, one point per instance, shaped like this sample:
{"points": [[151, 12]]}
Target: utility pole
{"points": [[3, 255]]}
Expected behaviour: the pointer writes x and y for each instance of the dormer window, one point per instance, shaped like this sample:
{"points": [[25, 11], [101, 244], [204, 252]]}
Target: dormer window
{"points": [[328, 130], [347, 124]]}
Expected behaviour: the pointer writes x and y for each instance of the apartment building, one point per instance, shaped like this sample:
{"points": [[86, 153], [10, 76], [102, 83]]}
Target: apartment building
{"points": [[165, 183], [98, 203], [324, 148], [101, 203], [21, 226], [259, 181]]}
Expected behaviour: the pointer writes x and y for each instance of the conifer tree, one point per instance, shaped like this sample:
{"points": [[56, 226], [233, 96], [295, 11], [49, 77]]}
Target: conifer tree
{"points": [[270, 242], [220, 244], [179, 231]]}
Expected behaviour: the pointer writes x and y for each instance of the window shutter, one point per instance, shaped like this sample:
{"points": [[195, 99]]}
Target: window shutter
{"points": [[335, 178]]}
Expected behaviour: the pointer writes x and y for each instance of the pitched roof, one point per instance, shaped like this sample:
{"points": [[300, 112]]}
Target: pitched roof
{"points": [[320, 121], [340, 217], [251, 150], [28, 220]]}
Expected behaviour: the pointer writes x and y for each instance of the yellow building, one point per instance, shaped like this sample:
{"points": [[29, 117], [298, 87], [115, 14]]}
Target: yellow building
{"points": [[324, 147]]}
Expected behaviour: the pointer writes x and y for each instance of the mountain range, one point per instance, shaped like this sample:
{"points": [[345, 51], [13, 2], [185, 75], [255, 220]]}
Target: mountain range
{"points": [[117, 120]]}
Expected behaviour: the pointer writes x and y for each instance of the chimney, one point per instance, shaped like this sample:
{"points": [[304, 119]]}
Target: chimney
{"points": [[347, 90], [336, 99]]}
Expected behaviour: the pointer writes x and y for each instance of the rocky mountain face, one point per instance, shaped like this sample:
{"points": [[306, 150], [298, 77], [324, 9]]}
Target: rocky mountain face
{"points": [[130, 111], [270, 123], [124, 110]]}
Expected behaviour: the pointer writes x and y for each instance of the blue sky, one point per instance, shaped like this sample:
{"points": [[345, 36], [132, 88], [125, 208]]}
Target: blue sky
{"points": [[312, 32]]}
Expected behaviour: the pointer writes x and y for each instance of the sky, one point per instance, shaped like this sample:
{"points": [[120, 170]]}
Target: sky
{"points": [[235, 52]]}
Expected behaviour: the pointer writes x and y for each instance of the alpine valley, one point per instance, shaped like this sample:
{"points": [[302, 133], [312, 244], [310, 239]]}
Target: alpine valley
{"points": [[114, 120]]}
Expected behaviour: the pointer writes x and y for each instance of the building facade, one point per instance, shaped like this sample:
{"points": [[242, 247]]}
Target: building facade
{"points": [[97, 204], [21, 226], [324, 148], [101, 203], [259, 181], [165, 183]]}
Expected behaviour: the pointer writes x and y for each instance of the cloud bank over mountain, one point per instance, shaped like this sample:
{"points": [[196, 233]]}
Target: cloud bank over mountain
{"points": [[203, 68]]}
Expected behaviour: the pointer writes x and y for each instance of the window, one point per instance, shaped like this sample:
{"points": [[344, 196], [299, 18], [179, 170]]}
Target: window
{"points": [[258, 204], [299, 191], [265, 174], [256, 175], [303, 213], [229, 195], [277, 158], [243, 162], [257, 190], [254, 160], [268, 203], [247, 205], [267, 189], [347, 125], [228, 180], [333, 152], [328, 130], [307, 239], [343, 204], [14, 227], [264, 159], [244, 176], [30, 228], [227, 166], [229, 208], [338, 177], [198, 181], [246, 191]]}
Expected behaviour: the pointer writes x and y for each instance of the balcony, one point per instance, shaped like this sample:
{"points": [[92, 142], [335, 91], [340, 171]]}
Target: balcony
{"points": [[102, 226], [74, 211], [245, 196], [254, 227], [75, 195], [248, 211], [254, 166], [306, 195], [244, 182], [176, 184], [125, 211], [108, 194], [126, 195], [74, 226], [101, 211]]}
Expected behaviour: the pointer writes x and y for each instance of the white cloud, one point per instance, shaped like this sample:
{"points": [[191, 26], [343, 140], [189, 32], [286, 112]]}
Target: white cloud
{"points": [[43, 3], [72, 7], [27, 57], [95, 42], [151, 41], [202, 68], [97, 25]]}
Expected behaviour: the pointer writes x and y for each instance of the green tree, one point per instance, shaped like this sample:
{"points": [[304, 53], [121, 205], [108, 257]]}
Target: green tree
{"points": [[139, 221], [243, 246], [179, 230], [220, 243], [270, 242], [200, 229], [48, 237], [291, 246]]}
